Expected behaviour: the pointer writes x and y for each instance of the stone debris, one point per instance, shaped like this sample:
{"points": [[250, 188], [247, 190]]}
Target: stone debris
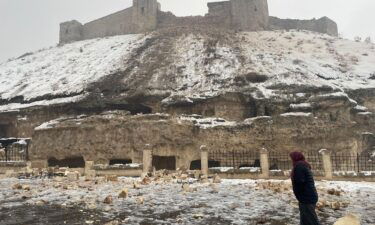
{"points": [[90, 175], [17, 186], [335, 205], [198, 216], [124, 193], [108, 200], [349, 219], [216, 179], [278, 187], [26, 187], [114, 222], [140, 200], [72, 176], [112, 178], [334, 191]]}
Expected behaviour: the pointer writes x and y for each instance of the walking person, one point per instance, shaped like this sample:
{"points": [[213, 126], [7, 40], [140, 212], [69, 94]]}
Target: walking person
{"points": [[304, 189]]}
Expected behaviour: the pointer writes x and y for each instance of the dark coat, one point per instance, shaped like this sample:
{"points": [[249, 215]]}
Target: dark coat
{"points": [[303, 184]]}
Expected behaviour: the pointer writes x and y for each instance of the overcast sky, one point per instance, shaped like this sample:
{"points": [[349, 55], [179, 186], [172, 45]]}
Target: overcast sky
{"points": [[28, 25]]}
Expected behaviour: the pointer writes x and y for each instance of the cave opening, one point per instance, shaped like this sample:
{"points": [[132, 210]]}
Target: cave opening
{"points": [[134, 109], [72, 162], [120, 161], [164, 162], [195, 165]]}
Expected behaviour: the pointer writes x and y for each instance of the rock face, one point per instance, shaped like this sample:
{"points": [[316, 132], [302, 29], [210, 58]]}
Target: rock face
{"points": [[178, 90]]}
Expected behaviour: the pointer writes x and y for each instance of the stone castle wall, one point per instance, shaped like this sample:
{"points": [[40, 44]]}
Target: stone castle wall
{"points": [[322, 25], [145, 16], [139, 18]]}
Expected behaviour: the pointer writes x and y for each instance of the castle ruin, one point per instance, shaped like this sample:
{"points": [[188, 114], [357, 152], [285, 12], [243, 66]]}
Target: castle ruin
{"points": [[146, 16]]}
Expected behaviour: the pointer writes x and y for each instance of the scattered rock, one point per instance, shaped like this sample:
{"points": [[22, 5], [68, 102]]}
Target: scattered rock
{"points": [[114, 222], [140, 200], [349, 219], [72, 176], [17, 186], [108, 200], [124, 193], [26, 188], [216, 179], [186, 188], [198, 216], [112, 178], [333, 191], [41, 203]]}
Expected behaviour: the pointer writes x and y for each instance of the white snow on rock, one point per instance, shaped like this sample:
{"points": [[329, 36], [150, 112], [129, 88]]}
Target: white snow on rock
{"points": [[281, 58], [296, 58], [296, 114], [205, 123], [67, 69]]}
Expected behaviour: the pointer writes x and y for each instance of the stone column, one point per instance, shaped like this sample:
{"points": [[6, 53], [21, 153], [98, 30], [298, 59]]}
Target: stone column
{"points": [[327, 163], [147, 159], [204, 159], [264, 163], [88, 166]]}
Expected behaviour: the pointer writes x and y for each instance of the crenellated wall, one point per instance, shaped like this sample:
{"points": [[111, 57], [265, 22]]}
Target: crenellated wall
{"points": [[146, 15]]}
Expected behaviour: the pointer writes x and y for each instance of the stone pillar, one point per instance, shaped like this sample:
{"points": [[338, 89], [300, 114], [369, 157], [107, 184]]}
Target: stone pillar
{"points": [[327, 163], [147, 159], [88, 166], [204, 159], [264, 163]]}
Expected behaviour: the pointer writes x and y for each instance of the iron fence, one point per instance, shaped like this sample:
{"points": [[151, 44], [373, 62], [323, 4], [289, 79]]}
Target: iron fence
{"points": [[14, 150], [234, 159], [353, 162], [279, 161]]}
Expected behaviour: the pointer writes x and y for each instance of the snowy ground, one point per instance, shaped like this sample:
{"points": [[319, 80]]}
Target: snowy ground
{"points": [[164, 201]]}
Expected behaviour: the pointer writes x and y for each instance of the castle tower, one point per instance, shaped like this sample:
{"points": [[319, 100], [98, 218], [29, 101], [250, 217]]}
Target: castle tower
{"points": [[71, 31], [249, 15], [145, 15]]}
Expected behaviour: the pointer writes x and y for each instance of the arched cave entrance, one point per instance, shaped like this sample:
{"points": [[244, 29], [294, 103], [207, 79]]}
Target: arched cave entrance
{"points": [[164, 162], [72, 162], [120, 161], [195, 165]]}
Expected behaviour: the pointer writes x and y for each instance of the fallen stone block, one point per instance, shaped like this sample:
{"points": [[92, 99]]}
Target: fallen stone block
{"points": [[124, 193], [72, 176], [112, 178], [216, 179], [349, 219], [108, 200]]}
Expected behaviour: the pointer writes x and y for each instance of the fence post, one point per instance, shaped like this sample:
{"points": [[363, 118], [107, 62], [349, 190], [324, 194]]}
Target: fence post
{"points": [[327, 163], [147, 159], [264, 163], [204, 159]]}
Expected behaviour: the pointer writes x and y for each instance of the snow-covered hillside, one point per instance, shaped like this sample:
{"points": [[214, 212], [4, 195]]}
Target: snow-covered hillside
{"points": [[64, 71], [263, 64], [294, 58]]}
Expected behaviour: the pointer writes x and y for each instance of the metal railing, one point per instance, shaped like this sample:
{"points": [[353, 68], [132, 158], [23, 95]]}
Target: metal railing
{"points": [[353, 162], [234, 159], [14, 150]]}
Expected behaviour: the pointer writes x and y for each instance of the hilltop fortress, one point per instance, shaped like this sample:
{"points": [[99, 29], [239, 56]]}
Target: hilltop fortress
{"points": [[146, 16]]}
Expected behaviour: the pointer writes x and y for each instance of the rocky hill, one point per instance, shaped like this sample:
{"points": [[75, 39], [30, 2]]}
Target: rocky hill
{"points": [[279, 89]]}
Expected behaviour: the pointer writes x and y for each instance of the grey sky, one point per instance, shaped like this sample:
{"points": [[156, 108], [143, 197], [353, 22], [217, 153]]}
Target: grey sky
{"points": [[28, 25]]}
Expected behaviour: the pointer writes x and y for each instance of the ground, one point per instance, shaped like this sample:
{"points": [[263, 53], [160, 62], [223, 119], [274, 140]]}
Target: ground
{"points": [[167, 200]]}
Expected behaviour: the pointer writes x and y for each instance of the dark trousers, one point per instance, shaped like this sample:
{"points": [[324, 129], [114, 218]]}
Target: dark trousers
{"points": [[308, 215]]}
